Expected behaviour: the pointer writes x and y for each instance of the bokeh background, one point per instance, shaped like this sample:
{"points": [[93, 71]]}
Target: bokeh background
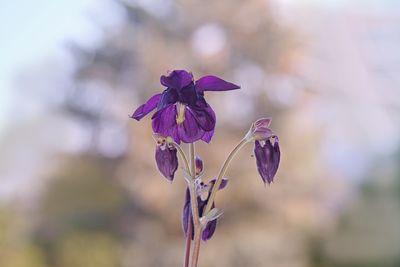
{"points": [[78, 182]]}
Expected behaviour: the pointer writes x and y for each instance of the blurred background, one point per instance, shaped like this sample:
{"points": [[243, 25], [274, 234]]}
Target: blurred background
{"points": [[78, 182]]}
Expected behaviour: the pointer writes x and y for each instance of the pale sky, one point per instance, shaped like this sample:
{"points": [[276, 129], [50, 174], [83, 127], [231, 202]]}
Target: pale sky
{"points": [[33, 30]]}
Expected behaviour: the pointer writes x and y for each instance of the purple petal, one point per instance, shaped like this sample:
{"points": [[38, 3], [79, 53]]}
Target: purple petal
{"points": [[207, 136], [177, 79], [188, 95], [209, 230], [167, 161], [267, 159], [144, 109], [205, 117], [213, 83], [164, 121], [169, 96], [223, 184], [263, 133], [263, 122], [189, 131]]}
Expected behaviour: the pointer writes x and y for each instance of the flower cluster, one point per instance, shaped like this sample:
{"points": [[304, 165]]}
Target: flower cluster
{"points": [[183, 115]]}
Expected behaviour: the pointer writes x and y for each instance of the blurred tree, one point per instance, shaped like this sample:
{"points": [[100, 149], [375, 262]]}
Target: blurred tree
{"points": [[368, 234], [84, 215], [82, 249], [17, 250]]}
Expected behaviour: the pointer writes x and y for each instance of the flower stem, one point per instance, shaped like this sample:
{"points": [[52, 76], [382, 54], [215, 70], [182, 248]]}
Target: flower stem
{"points": [[196, 247], [183, 156], [222, 171], [188, 241], [190, 226], [195, 211]]}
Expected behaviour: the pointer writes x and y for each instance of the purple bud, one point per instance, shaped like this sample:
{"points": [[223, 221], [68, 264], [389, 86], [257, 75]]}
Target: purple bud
{"points": [[267, 155], [199, 165], [209, 229], [167, 160]]}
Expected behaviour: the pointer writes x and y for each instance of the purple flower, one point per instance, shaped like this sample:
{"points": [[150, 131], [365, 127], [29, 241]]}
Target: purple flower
{"points": [[203, 195], [166, 158], [266, 149], [182, 111]]}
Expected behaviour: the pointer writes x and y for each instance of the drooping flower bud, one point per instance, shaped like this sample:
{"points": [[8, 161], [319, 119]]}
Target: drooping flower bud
{"points": [[267, 155], [199, 165], [166, 158], [266, 148]]}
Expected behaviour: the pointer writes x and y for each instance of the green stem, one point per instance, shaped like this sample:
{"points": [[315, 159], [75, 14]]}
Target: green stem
{"points": [[190, 226], [183, 156], [195, 212], [222, 171]]}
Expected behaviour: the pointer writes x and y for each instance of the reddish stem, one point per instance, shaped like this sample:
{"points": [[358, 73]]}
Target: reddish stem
{"points": [[188, 240]]}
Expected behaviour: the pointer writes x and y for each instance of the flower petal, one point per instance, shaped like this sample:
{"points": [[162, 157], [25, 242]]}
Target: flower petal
{"points": [[263, 133], [167, 161], [263, 122], [209, 230], [207, 136], [169, 96], [190, 131], [223, 184], [177, 79], [147, 107], [164, 121], [213, 83], [188, 95], [205, 117]]}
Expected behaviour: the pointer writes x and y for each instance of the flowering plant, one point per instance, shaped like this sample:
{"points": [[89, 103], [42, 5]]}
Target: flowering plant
{"points": [[183, 115]]}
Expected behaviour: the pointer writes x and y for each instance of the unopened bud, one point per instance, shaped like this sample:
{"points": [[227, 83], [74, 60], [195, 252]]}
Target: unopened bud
{"points": [[199, 165]]}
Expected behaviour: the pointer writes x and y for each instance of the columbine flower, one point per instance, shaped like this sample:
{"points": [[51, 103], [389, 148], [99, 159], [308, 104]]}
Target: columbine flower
{"points": [[266, 149], [203, 194], [166, 158], [182, 111]]}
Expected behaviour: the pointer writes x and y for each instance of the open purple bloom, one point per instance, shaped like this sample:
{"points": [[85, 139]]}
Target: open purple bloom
{"points": [[266, 149], [203, 195], [182, 111], [166, 158]]}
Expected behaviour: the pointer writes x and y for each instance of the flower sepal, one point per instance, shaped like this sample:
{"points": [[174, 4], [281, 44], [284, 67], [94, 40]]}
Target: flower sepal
{"points": [[212, 215], [166, 157], [259, 130]]}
